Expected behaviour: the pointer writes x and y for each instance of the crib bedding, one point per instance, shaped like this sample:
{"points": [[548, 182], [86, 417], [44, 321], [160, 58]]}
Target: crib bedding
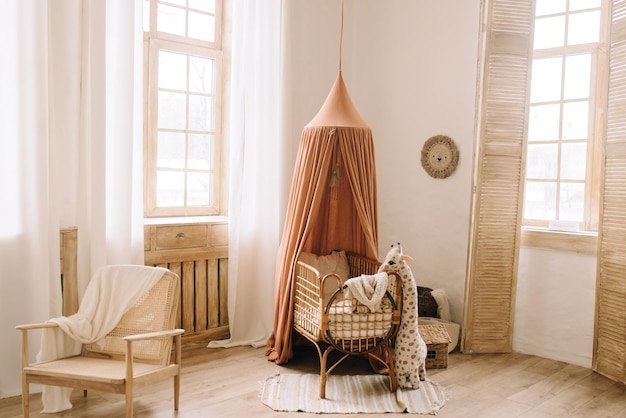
{"points": [[347, 319], [338, 315]]}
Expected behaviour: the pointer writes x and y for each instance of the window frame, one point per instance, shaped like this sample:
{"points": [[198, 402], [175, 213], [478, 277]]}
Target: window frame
{"points": [[597, 103], [155, 41]]}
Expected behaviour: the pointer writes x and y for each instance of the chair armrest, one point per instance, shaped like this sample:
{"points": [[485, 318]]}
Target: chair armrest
{"points": [[129, 339], [37, 326], [24, 332], [156, 334]]}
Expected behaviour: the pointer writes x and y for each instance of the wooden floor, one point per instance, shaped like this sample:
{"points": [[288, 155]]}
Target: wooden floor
{"points": [[226, 383]]}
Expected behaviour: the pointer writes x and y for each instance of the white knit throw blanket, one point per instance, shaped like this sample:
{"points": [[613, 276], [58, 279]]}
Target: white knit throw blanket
{"points": [[369, 289], [112, 291]]}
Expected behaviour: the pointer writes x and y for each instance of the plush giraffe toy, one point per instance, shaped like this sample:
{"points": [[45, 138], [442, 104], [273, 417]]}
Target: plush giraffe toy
{"points": [[410, 349]]}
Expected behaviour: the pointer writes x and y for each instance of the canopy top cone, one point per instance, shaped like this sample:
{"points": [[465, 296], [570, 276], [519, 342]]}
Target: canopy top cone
{"points": [[338, 109]]}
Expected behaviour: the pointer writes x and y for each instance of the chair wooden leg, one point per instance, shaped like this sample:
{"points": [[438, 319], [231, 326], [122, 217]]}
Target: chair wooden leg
{"points": [[24, 363], [129, 402], [25, 396], [176, 391], [178, 356]]}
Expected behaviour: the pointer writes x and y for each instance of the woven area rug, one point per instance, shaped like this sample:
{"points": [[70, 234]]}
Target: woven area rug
{"points": [[349, 394]]}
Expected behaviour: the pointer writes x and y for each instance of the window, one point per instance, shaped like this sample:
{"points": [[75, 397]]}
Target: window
{"points": [[183, 137], [563, 128]]}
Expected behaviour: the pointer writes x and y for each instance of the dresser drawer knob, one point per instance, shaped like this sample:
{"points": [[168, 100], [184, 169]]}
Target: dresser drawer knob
{"points": [[181, 235]]}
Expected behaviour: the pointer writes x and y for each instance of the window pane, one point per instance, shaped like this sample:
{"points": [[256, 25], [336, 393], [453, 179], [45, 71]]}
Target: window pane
{"points": [[201, 78], [548, 7], [577, 76], [546, 80], [572, 202], [198, 191], [200, 113], [573, 161], [171, 150], [543, 124], [583, 28], [581, 4], [549, 32], [204, 5], [170, 188], [575, 120], [202, 26], [540, 200], [171, 20], [172, 71], [541, 161], [200, 152], [171, 110]]}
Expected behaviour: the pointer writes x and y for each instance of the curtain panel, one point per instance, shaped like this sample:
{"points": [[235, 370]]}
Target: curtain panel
{"points": [[70, 153], [256, 141]]}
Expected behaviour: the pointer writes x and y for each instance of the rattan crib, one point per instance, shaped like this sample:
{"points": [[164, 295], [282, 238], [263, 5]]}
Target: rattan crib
{"points": [[339, 321]]}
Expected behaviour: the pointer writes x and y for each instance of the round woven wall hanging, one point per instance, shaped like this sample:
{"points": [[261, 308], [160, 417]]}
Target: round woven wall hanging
{"points": [[440, 156]]}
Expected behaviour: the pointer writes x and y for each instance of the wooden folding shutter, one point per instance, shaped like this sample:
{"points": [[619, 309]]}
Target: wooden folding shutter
{"points": [[488, 320], [610, 334]]}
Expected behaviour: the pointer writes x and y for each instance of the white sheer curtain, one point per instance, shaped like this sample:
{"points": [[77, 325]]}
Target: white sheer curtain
{"points": [[255, 150], [110, 189], [70, 152]]}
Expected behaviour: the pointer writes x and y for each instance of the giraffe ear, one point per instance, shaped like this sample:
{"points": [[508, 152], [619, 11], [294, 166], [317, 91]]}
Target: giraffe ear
{"points": [[407, 258]]}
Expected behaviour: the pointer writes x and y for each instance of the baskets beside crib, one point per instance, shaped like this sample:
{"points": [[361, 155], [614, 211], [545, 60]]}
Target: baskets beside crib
{"points": [[437, 339], [328, 315]]}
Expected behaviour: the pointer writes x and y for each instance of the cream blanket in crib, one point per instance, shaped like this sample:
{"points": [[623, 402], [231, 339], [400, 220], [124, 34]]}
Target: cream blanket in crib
{"points": [[112, 291], [369, 289]]}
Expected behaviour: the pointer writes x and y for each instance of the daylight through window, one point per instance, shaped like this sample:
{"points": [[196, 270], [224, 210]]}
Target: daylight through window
{"points": [[184, 63], [565, 92]]}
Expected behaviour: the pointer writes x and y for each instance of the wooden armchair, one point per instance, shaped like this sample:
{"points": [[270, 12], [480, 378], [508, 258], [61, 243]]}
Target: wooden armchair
{"points": [[137, 351]]}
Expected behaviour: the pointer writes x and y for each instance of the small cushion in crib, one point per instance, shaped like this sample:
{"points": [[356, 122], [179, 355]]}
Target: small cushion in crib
{"points": [[336, 262]]}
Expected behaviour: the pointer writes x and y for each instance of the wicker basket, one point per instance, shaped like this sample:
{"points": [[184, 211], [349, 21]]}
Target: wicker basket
{"points": [[437, 339]]}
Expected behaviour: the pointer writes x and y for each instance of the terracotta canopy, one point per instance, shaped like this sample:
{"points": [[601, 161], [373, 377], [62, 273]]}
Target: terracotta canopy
{"points": [[332, 204]]}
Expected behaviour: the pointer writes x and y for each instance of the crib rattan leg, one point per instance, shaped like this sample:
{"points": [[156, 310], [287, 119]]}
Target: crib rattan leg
{"points": [[323, 373], [391, 365]]}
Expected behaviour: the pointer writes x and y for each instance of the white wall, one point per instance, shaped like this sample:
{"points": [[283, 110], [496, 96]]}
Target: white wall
{"points": [[414, 77], [554, 315]]}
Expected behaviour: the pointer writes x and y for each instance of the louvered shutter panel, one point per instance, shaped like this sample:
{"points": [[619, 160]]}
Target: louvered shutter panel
{"points": [[610, 340], [488, 320]]}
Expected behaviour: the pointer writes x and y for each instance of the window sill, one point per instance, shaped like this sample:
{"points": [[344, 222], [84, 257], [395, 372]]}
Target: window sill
{"points": [[577, 242], [181, 220]]}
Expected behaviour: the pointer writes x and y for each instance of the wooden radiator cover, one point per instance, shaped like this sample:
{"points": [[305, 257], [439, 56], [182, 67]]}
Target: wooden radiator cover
{"points": [[198, 253]]}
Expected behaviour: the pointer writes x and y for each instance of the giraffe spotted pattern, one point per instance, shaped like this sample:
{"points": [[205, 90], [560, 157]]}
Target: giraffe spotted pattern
{"points": [[410, 349]]}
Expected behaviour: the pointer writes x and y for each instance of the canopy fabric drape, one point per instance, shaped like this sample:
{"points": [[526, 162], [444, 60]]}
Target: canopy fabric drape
{"points": [[332, 203]]}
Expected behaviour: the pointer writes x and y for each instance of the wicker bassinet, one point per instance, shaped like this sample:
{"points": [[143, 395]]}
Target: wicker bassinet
{"points": [[339, 321]]}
